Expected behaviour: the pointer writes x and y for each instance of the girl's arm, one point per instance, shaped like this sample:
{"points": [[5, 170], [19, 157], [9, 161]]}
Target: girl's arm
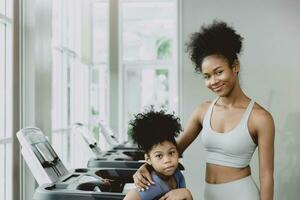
{"points": [[132, 195], [178, 194]]}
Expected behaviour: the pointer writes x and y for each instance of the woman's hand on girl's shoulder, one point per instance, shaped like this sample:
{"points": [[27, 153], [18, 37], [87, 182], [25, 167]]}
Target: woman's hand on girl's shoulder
{"points": [[142, 178]]}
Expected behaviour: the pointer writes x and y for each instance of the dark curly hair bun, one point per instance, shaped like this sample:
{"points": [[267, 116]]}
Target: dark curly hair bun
{"points": [[216, 38], [153, 127]]}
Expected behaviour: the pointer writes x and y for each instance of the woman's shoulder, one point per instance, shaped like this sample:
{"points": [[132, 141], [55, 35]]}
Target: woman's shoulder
{"points": [[198, 113], [260, 113], [260, 117], [202, 108]]}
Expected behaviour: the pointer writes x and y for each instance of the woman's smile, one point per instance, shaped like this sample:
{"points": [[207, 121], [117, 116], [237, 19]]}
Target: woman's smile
{"points": [[218, 88]]}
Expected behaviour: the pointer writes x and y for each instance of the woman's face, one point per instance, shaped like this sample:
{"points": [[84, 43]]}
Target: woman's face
{"points": [[218, 75]]}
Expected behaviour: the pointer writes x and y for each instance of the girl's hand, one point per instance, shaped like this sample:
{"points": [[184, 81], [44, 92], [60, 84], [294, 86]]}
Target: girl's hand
{"points": [[142, 178]]}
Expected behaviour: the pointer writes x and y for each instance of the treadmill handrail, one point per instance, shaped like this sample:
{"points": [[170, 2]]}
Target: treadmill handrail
{"points": [[108, 133], [86, 135]]}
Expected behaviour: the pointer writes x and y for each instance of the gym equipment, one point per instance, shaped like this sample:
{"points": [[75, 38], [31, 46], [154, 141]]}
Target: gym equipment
{"points": [[117, 158], [57, 183]]}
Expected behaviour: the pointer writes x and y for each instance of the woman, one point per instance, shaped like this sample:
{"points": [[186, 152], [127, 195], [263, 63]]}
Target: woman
{"points": [[231, 126]]}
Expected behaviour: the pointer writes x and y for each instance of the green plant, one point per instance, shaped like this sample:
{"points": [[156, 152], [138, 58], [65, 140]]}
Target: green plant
{"points": [[129, 133], [163, 47]]}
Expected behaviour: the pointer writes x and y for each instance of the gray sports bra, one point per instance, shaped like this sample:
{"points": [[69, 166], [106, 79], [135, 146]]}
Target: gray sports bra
{"points": [[234, 148]]}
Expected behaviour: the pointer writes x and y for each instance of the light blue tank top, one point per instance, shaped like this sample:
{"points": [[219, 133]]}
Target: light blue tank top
{"points": [[234, 148], [160, 187]]}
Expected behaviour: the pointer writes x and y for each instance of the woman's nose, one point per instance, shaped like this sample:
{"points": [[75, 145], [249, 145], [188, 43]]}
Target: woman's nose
{"points": [[214, 80]]}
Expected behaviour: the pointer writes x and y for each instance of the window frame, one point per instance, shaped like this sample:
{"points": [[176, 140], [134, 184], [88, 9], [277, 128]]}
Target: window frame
{"points": [[8, 138]]}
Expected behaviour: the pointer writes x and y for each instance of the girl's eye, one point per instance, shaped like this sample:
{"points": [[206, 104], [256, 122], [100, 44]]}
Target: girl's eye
{"points": [[158, 156], [205, 77], [172, 152]]}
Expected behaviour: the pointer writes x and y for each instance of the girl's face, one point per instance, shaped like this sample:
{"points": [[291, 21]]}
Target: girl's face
{"points": [[163, 158], [218, 75]]}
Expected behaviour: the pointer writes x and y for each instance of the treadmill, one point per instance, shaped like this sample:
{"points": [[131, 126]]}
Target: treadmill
{"points": [[109, 135], [117, 158], [120, 156], [57, 183]]}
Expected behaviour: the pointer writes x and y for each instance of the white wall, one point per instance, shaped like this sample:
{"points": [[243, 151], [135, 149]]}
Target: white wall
{"points": [[269, 74]]}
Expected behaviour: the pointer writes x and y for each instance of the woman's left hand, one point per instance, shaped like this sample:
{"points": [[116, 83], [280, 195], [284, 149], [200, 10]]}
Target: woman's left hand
{"points": [[178, 194]]}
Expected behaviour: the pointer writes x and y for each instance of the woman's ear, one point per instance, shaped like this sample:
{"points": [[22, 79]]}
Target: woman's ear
{"points": [[147, 159], [236, 67]]}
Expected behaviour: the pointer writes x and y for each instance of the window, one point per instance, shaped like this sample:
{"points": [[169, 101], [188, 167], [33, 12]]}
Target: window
{"points": [[148, 56], [79, 74], [80, 69], [5, 99]]}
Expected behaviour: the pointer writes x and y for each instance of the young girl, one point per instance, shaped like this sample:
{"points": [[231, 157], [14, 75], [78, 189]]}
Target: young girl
{"points": [[232, 126], [155, 133]]}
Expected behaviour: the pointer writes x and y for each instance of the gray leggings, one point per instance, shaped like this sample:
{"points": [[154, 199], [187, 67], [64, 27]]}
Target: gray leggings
{"points": [[242, 189]]}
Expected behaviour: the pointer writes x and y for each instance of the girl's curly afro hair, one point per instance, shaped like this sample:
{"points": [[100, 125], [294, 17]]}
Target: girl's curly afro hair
{"points": [[215, 39], [153, 127]]}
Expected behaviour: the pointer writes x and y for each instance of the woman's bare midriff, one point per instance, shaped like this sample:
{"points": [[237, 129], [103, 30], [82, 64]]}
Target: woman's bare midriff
{"points": [[216, 174]]}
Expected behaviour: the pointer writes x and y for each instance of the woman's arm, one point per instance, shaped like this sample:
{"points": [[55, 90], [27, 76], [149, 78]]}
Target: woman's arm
{"points": [[142, 178], [266, 137], [193, 128]]}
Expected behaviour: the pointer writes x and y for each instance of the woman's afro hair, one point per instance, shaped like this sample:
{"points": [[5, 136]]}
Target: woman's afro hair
{"points": [[154, 127], [215, 39]]}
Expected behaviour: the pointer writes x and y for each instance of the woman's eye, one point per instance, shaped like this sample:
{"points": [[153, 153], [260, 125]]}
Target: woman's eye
{"points": [[219, 72], [172, 152]]}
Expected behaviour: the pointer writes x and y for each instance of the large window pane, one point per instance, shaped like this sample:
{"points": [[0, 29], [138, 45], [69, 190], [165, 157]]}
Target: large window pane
{"points": [[56, 23], [5, 100], [73, 32], [2, 80], [100, 31], [8, 84], [2, 172], [8, 171], [146, 87], [2, 7], [9, 8], [99, 92], [149, 56], [149, 29], [79, 73]]}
